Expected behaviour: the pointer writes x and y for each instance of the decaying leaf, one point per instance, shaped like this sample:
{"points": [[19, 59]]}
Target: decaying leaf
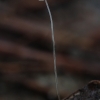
{"points": [[90, 92]]}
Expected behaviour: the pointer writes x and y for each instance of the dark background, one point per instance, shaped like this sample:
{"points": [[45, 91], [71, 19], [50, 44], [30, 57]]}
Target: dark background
{"points": [[26, 58]]}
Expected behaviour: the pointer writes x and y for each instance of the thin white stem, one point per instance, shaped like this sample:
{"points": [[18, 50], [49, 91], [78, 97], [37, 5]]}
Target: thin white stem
{"points": [[54, 53]]}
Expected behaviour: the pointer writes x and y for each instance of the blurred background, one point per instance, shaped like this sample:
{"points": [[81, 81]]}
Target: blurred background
{"points": [[26, 58]]}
